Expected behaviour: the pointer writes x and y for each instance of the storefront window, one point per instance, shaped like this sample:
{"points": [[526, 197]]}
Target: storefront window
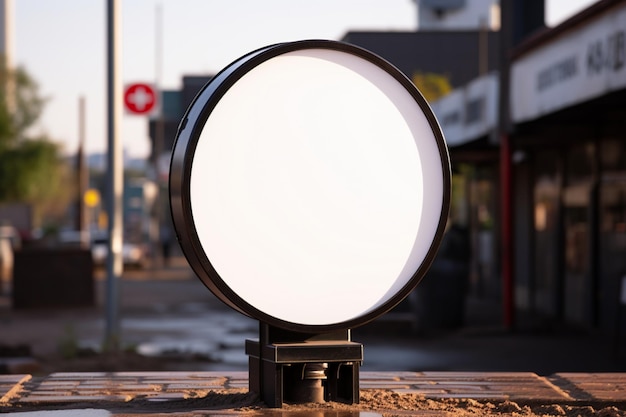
{"points": [[612, 230], [578, 294], [613, 158], [483, 211], [546, 202]]}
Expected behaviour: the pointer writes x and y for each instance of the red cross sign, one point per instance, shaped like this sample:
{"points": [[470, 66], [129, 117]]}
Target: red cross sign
{"points": [[140, 98]]}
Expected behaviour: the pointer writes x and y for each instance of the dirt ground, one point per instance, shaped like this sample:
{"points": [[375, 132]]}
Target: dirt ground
{"points": [[392, 403], [372, 403]]}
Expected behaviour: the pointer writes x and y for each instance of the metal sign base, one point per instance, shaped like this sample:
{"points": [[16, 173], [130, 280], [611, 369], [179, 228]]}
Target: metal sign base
{"points": [[286, 366]]}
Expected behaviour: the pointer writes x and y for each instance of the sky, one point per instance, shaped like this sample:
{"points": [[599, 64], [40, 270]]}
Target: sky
{"points": [[62, 45]]}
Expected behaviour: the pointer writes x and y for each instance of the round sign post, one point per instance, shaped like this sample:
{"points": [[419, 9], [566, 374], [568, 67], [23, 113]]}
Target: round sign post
{"points": [[309, 188], [140, 99]]}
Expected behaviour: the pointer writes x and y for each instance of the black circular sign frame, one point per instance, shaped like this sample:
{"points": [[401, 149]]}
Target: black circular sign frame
{"points": [[183, 153]]}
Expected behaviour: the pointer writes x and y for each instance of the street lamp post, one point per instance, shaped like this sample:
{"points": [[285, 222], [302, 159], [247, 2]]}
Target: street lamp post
{"points": [[114, 178]]}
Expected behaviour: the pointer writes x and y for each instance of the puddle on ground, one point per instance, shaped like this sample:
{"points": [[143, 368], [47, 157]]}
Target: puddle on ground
{"points": [[63, 413]]}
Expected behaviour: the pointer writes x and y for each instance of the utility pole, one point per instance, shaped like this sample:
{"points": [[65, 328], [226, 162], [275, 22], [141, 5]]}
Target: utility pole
{"points": [[81, 168], [7, 50], [158, 130], [506, 165], [115, 170]]}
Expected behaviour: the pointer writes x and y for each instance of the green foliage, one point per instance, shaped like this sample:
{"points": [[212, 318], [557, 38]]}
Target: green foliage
{"points": [[20, 105], [432, 86], [68, 345], [31, 169]]}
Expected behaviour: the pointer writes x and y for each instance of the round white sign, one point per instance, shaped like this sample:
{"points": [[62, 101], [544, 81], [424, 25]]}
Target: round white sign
{"points": [[310, 185]]}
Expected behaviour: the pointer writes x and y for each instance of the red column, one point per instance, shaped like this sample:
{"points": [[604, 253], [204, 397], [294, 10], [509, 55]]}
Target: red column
{"points": [[506, 185]]}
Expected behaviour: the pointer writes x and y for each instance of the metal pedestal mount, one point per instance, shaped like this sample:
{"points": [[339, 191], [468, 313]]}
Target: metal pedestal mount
{"points": [[287, 366]]}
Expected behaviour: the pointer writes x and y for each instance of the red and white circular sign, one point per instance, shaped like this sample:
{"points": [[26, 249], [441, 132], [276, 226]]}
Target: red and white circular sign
{"points": [[140, 98]]}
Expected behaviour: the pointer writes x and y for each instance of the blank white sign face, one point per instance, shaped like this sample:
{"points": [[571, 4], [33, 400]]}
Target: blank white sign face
{"points": [[316, 187]]}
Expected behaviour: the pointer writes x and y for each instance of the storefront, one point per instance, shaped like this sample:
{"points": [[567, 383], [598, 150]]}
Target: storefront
{"points": [[568, 139], [468, 118], [568, 107]]}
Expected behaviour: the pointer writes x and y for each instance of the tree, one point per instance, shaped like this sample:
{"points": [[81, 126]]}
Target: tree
{"points": [[432, 86], [20, 105], [31, 168]]}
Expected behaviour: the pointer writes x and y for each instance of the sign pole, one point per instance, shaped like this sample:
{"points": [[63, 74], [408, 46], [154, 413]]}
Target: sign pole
{"points": [[114, 175], [83, 175], [158, 136]]}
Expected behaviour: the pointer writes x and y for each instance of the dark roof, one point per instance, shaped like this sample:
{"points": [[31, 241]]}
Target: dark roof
{"points": [[546, 35], [454, 54]]}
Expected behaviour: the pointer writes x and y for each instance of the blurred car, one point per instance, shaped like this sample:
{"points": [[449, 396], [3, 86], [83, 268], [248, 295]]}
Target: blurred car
{"points": [[12, 235], [9, 242], [133, 255], [74, 238]]}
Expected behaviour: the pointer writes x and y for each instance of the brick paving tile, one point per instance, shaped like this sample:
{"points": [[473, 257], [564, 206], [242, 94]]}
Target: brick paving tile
{"points": [[66, 399], [238, 379], [478, 385], [383, 385], [64, 388], [10, 385], [477, 375], [387, 375], [494, 396], [186, 386], [79, 375], [57, 383], [120, 387], [435, 392], [162, 396], [387, 382], [600, 386], [237, 385], [169, 375]]}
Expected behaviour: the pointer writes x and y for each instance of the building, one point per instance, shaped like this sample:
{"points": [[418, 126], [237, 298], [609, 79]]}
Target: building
{"points": [[459, 46], [162, 131], [568, 106], [459, 56], [567, 138], [458, 14], [175, 103]]}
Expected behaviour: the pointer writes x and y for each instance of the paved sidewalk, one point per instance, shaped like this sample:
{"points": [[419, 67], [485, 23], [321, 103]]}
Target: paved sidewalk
{"points": [[149, 392], [461, 374]]}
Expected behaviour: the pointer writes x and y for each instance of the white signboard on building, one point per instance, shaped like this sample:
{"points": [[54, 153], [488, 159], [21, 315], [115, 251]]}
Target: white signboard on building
{"points": [[469, 113], [580, 65]]}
